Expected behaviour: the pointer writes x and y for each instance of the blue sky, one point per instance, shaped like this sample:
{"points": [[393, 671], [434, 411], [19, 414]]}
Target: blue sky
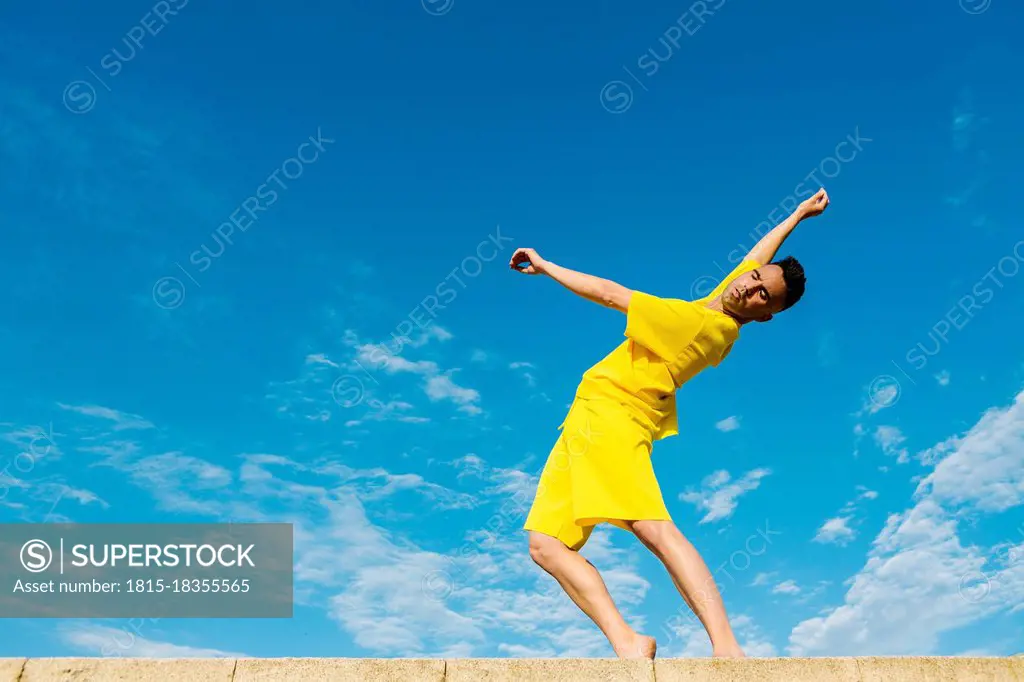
{"points": [[854, 474]]}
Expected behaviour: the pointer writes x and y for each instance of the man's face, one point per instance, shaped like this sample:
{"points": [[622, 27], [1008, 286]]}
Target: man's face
{"points": [[756, 295]]}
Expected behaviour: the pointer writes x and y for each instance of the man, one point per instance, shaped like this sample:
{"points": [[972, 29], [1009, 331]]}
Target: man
{"points": [[600, 469]]}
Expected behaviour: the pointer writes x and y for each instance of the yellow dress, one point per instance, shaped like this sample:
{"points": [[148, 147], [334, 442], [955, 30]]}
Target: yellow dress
{"points": [[600, 469]]}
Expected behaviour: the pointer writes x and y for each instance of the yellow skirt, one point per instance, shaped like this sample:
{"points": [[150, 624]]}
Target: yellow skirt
{"points": [[599, 471]]}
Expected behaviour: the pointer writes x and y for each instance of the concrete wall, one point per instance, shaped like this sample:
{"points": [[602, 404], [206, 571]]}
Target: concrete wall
{"points": [[547, 670]]}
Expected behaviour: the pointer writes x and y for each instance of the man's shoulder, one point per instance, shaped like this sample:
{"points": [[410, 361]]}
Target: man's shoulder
{"points": [[653, 301]]}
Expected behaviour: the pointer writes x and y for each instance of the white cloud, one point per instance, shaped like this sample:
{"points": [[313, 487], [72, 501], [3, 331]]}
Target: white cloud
{"points": [[836, 531], [28, 484], [79, 495], [390, 484], [379, 358], [99, 640], [931, 456], [122, 420], [437, 385], [528, 376], [418, 338], [33, 442], [719, 496], [786, 587], [920, 580], [728, 424], [395, 410], [439, 333], [360, 383], [469, 465], [889, 439], [986, 466], [943, 378], [443, 388], [885, 396], [179, 483], [321, 359]]}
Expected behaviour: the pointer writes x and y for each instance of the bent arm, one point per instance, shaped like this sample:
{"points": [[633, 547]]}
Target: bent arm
{"points": [[765, 249], [603, 291]]}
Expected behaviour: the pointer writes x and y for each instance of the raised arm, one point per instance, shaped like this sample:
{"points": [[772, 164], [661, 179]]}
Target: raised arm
{"points": [[602, 291], [764, 251]]}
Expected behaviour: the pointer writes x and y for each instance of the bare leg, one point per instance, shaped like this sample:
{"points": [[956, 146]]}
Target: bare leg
{"points": [[581, 581], [693, 580]]}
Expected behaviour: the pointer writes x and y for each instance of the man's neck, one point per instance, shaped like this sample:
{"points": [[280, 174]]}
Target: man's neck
{"points": [[716, 305]]}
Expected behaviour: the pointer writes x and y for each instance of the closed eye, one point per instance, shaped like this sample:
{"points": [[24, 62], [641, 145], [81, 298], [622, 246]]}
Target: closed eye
{"points": [[763, 292]]}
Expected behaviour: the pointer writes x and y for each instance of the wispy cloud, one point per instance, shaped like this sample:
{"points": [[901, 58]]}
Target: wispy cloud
{"points": [[882, 393], [437, 383], [838, 530], [470, 465], [357, 382], [179, 483], [786, 587], [719, 494], [121, 421], [30, 483], [395, 410], [728, 424], [524, 370], [889, 439], [100, 640], [441, 387]]}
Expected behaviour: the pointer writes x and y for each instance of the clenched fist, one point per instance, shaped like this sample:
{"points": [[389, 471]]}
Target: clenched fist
{"points": [[816, 205], [527, 261]]}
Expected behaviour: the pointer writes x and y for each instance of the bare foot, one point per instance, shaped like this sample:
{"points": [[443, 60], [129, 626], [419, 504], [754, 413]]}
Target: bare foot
{"points": [[731, 652], [642, 646]]}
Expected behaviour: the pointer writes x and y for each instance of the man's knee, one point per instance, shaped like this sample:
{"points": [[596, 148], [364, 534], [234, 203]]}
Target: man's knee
{"points": [[656, 535], [540, 551], [544, 548]]}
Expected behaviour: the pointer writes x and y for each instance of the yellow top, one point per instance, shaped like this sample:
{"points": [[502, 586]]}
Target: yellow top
{"points": [[668, 341]]}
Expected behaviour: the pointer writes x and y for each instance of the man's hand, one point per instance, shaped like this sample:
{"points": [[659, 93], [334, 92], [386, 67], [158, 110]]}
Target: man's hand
{"points": [[814, 206], [765, 249], [528, 261]]}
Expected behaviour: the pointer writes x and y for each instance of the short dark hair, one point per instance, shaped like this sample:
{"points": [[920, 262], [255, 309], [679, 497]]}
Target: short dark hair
{"points": [[793, 276]]}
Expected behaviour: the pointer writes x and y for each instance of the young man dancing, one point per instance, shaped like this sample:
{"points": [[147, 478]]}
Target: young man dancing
{"points": [[600, 471]]}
